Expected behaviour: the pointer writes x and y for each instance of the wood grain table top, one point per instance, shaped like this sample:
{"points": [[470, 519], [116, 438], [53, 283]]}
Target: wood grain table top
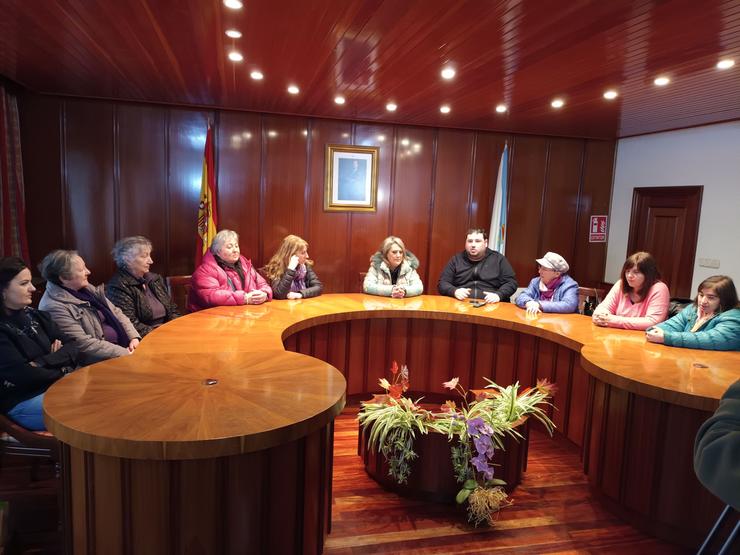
{"points": [[157, 403]]}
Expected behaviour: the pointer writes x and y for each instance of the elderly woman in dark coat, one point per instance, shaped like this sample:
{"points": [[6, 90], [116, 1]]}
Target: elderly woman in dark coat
{"points": [[140, 294], [32, 356]]}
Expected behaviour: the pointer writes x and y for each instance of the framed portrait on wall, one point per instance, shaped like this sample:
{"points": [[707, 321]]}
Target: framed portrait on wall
{"points": [[351, 178]]}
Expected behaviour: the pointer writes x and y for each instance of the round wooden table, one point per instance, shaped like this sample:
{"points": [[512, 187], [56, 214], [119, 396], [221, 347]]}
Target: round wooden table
{"points": [[158, 459]]}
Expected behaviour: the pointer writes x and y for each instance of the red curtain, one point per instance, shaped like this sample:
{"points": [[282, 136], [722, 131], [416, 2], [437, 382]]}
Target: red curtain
{"points": [[13, 241]]}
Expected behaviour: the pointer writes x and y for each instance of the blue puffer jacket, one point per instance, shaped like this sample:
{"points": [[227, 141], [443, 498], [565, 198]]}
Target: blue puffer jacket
{"points": [[565, 298], [721, 333]]}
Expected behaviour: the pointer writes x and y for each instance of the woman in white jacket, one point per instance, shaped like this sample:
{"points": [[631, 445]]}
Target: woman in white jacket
{"points": [[392, 271]]}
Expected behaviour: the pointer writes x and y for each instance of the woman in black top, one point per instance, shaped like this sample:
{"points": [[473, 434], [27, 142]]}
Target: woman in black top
{"points": [[32, 356]]}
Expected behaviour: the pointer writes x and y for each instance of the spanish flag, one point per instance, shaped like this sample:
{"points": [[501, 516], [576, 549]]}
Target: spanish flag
{"points": [[207, 213]]}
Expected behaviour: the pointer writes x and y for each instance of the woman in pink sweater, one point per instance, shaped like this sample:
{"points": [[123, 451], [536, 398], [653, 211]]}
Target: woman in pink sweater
{"points": [[638, 300]]}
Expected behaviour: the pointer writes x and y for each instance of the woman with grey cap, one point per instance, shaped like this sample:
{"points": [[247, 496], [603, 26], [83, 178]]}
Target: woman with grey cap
{"points": [[553, 291]]}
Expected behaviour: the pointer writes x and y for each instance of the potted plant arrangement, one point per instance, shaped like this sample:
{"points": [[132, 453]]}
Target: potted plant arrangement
{"points": [[475, 427]]}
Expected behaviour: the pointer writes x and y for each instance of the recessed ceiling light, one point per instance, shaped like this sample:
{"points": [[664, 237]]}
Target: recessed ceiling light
{"points": [[339, 99], [725, 64], [405, 142], [611, 94], [444, 109], [292, 89], [501, 108], [557, 103], [447, 73], [381, 138], [233, 4], [235, 56], [662, 81], [257, 75], [233, 34], [272, 133], [391, 107]]}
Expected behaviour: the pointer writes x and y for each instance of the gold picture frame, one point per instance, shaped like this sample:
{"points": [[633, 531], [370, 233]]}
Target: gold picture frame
{"points": [[351, 178]]}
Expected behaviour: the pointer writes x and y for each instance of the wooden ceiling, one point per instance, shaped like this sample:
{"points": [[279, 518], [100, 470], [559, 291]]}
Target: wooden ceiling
{"points": [[521, 53]]}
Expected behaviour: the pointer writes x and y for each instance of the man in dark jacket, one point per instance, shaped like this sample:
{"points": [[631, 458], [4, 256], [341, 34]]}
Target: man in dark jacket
{"points": [[478, 272]]}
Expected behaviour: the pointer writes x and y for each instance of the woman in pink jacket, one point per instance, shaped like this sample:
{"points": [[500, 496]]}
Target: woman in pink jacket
{"points": [[225, 277], [638, 300]]}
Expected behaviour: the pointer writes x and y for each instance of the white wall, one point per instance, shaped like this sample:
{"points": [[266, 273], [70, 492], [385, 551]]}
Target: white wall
{"points": [[708, 156]]}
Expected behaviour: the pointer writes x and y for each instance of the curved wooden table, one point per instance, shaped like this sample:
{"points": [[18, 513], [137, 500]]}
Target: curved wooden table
{"points": [[146, 439]]}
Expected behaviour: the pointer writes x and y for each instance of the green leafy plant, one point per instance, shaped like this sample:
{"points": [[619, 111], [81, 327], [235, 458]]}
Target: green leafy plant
{"points": [[475, 429]]}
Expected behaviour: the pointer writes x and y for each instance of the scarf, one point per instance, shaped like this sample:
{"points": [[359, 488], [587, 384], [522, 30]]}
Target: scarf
{"points": [[547, 291], [299, 281], [104, 313], [235, 266]]}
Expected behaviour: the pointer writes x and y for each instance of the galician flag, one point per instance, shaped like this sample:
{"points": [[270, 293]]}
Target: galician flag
{"points": [[497, 234], [207, 213]]}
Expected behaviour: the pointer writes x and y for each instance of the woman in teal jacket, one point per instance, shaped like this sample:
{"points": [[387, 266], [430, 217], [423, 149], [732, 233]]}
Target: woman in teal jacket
{"points": [[711, 322]]}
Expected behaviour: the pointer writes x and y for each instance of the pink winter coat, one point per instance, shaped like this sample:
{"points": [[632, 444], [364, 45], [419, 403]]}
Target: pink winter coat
{"points": [[211, 285]]}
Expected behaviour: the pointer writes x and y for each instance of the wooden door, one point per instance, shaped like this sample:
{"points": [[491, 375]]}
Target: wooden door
{"points": [[665, 223]]}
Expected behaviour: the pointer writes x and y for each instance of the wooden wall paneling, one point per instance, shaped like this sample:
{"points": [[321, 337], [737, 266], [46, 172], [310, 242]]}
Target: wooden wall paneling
{"points": [[239, 162], [578, 402], [560, 211], [90, 186], [328, 232], [313, 478], [526, 356], [488, 150], [442, 346], [142, 193], [291, 342], [418, 354], [526, 188], [452, 196], [596, 424], [486, 340], [460, 357], [305, 342], [320, 348], [78, 503], [678, 468], [562, 376], [368, 229], [108, 504], [285, 496], [506, 356], [199, 524], [412, 195], [284, 181], [245, 523], [338, 351], [398, 343], [378, 355], [186, 138], [151, 507], [356, 367], [646, 430], [589, 259], [41, 145], [614, 453]]}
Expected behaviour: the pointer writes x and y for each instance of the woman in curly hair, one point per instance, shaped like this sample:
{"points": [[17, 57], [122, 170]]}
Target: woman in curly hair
{"points": [[290, 271]]}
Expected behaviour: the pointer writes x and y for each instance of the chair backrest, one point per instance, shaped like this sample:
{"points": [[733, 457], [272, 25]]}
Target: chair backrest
{"points": [[179, 287], [676, 305], [586, 292]]}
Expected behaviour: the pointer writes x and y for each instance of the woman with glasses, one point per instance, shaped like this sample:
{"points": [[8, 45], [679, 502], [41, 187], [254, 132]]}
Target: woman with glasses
{"points": [[638, 300]]}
